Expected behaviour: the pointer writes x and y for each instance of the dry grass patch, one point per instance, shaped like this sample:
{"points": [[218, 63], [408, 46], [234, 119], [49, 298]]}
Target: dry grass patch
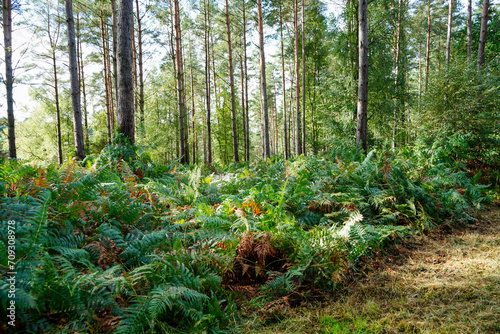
{"points": [[445, 282]]}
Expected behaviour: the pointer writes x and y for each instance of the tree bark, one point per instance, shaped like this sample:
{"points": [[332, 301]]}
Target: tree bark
{"points": [[246, 120], [469, 29], [243, 101], [285, 125], [396, 76], [125, 97], [236, 157], [303, 80], [53, 45], [105, 76], [141, 70], [58, 111], [298, 138], [75, 84], [482, 36], [180, 83], [114, 30], [428, 46], [79, 50], [9, 80], [419, 71], [195, 137], [112, 92], [448, 37], [207, 81], [362, 126], [263, 84]]}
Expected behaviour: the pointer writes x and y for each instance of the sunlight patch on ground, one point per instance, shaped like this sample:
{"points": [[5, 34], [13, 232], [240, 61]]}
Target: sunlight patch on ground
{"points": [[442, 283]]}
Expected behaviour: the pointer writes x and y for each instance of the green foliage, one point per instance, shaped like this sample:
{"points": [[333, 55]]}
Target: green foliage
{"points": [[141, 247], [461, 113]]}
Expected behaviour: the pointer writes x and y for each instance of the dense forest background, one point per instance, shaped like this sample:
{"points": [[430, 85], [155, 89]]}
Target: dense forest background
{"points": [[415, 96]]}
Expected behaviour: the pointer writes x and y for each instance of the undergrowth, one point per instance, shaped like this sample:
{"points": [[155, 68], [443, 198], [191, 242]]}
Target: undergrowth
{"points": [[125, 245]]}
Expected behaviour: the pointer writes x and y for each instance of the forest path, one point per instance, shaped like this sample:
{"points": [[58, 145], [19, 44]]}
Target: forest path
{"points": [[444, 282]]}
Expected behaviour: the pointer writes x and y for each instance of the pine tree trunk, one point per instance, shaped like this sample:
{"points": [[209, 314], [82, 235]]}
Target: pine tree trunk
{"points": [[58, 111], [419, 71], [231, 87], [448, 37], [243, 101], [482, 36], [469, 29], [186, 112], [303, 80], [53, 45], [285, 125], [134, 69], [75, 84], [193, 132], [396, 76], [263, 84], [105, 77], [125, 98], [428, 46], [79, 50], [180, 83], [293, 118], [246, 120], [141, 70], [112, 94], [7, 35], [114, 30], [298, 138], [207, 82], [362, 126]]}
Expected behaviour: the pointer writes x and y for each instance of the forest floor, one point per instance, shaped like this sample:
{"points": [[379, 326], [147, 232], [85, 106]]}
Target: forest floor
{"points": [[445, 281]]}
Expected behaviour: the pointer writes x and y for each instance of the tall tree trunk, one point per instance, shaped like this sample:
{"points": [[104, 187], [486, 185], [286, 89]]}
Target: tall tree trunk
{"points": [[75, 84], [114, 30], [174, 66], [362, 126], [298, 138], [141, 71], [53, 40], [79, 50], [482, 36], [293, 119], [186, 112], [469, 29], [125, 98], [207, 81], [180, 83], [110, 82], [448, 37], [243, 101], [303, 80], [246, 120], [285, 125], [428, 46], [58, 111], [134, 69], [105, 76], [236, 157], [7, 37], [419, 71], [397, 40], [195, 137], [263, 84]]}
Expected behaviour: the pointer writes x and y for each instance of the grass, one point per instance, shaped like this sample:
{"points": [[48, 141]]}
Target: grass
{"points": [[447, 281]]}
